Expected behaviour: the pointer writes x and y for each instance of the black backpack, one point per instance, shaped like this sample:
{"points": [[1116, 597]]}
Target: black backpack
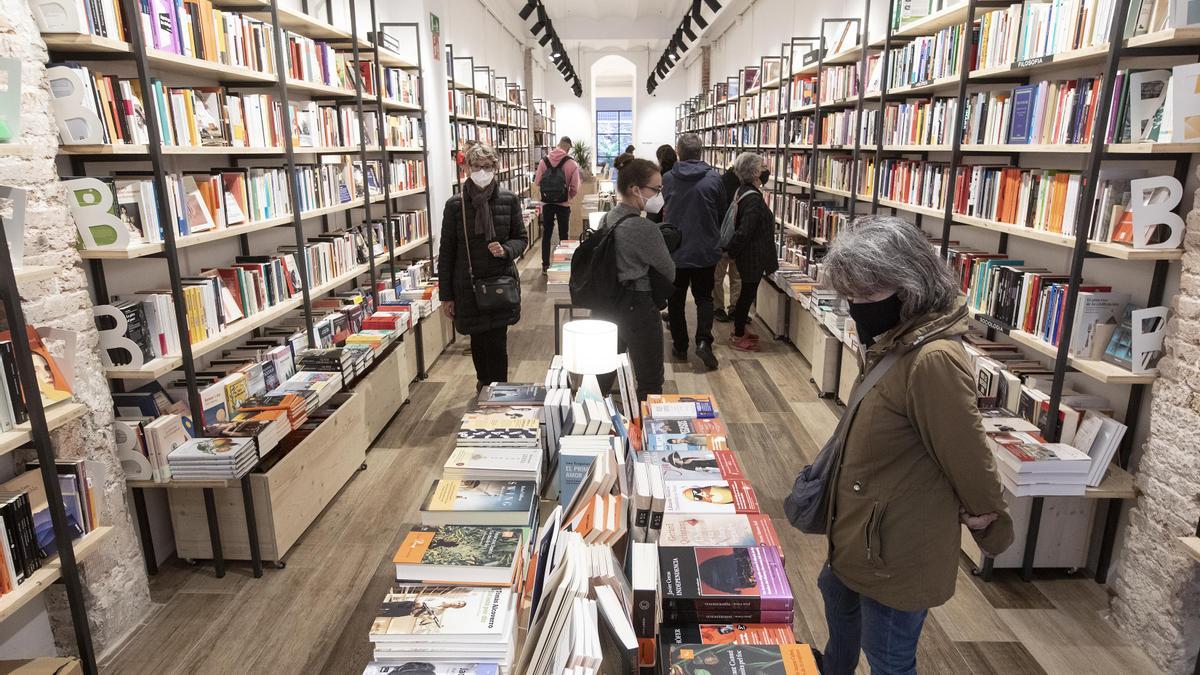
{"points": [[554, 182], [594, 283]]}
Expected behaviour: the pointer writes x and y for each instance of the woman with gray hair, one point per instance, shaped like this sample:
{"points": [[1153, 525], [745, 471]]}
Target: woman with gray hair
{"points": [[753, 245], [914, 462], [482, 235]]}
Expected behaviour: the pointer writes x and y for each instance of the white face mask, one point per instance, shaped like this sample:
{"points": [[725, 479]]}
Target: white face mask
{"points": [[483, 177], [654, 204]]}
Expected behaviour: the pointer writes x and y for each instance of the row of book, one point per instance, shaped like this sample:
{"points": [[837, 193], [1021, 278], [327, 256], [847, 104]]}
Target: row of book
{"points": [[271, 391], [27, 539], [122, 210], [209, 116], [52, 384]]}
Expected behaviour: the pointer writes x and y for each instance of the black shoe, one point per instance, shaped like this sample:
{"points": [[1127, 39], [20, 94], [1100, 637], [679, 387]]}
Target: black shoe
{"points": [[721, 315], [666, 316], [545, 271], [679, 354], [704, 351]]}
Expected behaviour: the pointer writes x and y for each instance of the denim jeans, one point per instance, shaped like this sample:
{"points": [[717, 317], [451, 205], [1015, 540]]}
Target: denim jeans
{"points": [[887, 636]]}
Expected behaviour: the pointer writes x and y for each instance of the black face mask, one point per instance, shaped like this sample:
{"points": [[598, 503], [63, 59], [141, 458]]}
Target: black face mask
{"points": [[764, 177], [873, 319]]}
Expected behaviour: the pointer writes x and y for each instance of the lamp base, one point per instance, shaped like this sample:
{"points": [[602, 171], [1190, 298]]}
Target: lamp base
{"points": [[589, 389]]}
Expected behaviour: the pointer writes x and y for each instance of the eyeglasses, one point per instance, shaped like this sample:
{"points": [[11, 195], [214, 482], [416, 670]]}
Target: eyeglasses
{"points": [[656, 190]]}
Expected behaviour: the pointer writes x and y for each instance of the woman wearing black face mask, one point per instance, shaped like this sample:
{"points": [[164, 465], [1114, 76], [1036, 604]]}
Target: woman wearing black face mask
{"points": [[914, 463], [753, 245]]}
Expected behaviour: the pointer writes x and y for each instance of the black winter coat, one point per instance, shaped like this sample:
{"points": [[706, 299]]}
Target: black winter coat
{"points": [[454, 282], [753, 243]]}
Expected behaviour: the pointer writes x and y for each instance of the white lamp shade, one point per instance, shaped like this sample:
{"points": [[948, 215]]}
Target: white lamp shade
{"points": [[589, 346]]}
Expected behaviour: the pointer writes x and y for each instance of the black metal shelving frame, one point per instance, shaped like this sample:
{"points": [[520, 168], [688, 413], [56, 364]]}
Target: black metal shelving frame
{"points": [[44, 447], [159, 166], [1098, 153]]}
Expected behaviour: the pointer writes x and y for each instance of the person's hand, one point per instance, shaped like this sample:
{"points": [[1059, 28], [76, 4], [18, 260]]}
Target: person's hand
{"points": [[448, 308], [979, 522], [496, 249]]}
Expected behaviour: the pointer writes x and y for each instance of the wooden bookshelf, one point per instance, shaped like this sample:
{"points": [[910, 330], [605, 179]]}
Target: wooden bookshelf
{"points": [[49, 573], [56, 416], [151, 248], [156, 368], [1190, 546], [1101, 371], [930, 25], [1117, 483]]}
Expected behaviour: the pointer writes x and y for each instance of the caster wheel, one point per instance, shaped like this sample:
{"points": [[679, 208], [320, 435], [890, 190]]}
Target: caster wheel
{"points": [[362, 467], [975, 571], [1072, 570], [191, 561], [407, 401], [280, 564]]}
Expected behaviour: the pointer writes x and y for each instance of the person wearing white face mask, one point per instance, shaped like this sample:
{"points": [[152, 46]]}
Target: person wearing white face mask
{"points": [[642, 256], [483, 234]]}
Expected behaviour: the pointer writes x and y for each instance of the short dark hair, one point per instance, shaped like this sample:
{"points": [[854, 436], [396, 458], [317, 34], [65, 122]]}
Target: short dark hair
{"points": [[565, 140], [666, 156], [689, 146], [634, 173]]}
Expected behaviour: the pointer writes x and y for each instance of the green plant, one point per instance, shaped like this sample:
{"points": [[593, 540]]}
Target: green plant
{"points": [[581, 152]]}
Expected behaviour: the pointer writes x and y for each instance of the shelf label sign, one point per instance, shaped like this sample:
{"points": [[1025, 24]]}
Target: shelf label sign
{"points": [[1153, 201], [1149, 330], [77, 124], [112, 326], [93, 205]]}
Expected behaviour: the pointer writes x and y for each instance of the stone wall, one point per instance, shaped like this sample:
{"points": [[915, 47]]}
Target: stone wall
{"points": [[1157, 585], [114, 578]]}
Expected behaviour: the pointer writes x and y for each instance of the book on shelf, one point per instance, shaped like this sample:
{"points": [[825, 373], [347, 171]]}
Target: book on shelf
{"points": [[493, 464], [212, 459], [1099, 436], [745, 580], [687, 461], [705, 496], [460, 554], [681, 406]]}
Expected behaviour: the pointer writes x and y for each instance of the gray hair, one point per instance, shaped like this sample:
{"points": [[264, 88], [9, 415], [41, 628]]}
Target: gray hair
{"points": [[883, 253], [689, 146], [480, 153], [747, 166]]}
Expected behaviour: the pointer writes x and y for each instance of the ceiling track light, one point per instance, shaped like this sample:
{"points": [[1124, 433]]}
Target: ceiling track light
{"points": [[686, 27], [698, 16], [713, 5], [527, 10], [544, 39]]}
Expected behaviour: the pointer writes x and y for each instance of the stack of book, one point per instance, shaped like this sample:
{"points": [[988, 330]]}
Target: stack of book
{"points": [[1031, 467], [444, 624], [714, 585], [501, 427], [213, 459], [559, 274], [52, 383]]}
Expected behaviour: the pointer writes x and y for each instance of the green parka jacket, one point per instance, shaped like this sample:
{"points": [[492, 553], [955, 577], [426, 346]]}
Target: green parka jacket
{"points": [[914, 453]]}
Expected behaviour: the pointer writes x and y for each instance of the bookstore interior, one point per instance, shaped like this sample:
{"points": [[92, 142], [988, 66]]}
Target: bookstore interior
{"points": [[259, 447]]}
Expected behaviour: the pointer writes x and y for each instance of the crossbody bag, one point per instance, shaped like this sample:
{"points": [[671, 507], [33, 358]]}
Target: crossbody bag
{"points": [[491, 293]]}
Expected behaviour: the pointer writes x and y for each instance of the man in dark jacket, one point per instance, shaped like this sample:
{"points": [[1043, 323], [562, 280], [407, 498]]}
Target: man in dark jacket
{"points": [[695, 202]]}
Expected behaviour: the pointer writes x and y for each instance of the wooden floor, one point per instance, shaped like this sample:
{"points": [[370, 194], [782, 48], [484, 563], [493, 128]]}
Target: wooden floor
{"points": [[313, 616]]}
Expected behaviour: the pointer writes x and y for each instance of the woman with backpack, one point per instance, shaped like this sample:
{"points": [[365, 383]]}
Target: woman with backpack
{"points": [[752, 246], [482, 236], [643, 262]]}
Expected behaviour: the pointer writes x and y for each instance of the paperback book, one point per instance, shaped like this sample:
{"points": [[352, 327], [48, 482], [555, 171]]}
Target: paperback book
{"points": [[460, 554], [723, 578], [791, 659], [709, 496], [480, 502]]}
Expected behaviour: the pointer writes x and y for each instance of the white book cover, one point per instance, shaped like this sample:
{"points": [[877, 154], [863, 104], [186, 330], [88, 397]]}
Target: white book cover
{"points": [[475, 460], [435, 614]]}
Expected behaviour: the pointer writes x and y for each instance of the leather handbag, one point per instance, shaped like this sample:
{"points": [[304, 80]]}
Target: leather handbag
{"points": [[491, 293]]}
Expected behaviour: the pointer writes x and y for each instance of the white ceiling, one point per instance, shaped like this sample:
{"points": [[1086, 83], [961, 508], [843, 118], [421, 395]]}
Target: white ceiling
{"points": [[607, 24]]}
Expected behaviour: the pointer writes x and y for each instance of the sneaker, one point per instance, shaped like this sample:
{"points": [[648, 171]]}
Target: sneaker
{"points": [[721, 315], [744, 343], [545, 271], [706, 356]]}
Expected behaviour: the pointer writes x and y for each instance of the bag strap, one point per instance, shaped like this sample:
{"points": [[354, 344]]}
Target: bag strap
{"points": [[466, 237], [858, 393]]}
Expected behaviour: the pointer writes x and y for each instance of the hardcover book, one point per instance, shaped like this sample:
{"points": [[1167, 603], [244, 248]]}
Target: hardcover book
{"points": [[709, 496], [723, 578], [452, 615], [718, 530], [686, 462], [459, 554], [793, 659], [727, 633], [479, 502]]}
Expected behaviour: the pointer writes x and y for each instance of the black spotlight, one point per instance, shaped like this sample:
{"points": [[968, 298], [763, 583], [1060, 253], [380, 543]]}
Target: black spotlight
{"points": [[527, 10], [687, 27], [698, 16]]}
